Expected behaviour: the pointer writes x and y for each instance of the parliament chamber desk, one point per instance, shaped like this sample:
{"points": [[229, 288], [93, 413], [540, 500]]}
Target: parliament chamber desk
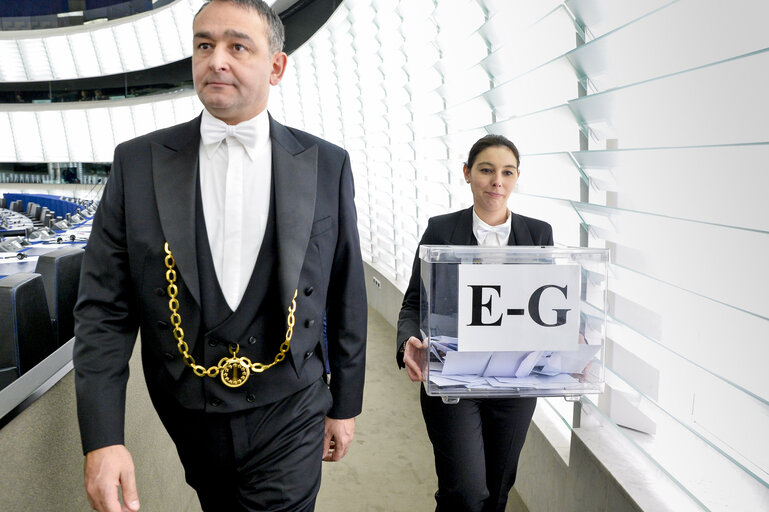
{"points": [[36, 300], [42, 467], [14, 221], [11, 263]]}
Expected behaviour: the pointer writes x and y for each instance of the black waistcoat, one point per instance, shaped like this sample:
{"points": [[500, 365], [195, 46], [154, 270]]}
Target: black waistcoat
{"points": [[258, 326]]}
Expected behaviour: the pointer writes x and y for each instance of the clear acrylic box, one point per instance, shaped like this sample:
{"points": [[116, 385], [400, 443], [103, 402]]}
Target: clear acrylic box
{"points": [[513, 321]]}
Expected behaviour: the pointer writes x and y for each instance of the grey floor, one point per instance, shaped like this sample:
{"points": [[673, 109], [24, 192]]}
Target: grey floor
{"points": [[390, 465]]}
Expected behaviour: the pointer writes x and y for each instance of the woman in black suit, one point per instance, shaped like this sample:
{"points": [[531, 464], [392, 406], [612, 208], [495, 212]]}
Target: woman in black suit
{"points": [[477, 441]]}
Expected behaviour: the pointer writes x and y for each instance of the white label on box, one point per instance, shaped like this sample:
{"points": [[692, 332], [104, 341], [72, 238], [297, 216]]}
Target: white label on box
{"points": [[518, 307]]}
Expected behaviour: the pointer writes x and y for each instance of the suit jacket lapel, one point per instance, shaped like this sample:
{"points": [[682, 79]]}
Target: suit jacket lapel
{"points": [[175, 177], [463, 229], [295, 171], [519, 233]]}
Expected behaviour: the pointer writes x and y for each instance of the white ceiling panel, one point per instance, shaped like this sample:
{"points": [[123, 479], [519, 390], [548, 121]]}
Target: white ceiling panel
{"points": [[26, 134], [52, 133], [60, 57], [107, 51], [11, 65], [35, 59], [8, 147], [84, 53], [128, 46], [80, 149], [186, 106], [122, 124], [138, 42], [103, 142], [172, 46], [149, 44], [143, 118], [163, 114]]}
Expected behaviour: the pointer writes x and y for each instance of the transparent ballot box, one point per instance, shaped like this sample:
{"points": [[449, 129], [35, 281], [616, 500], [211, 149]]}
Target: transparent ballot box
{"points": [[513, 321]]}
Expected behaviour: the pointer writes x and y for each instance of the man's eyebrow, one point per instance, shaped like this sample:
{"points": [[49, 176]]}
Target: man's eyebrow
{"points": [[233, 34]]}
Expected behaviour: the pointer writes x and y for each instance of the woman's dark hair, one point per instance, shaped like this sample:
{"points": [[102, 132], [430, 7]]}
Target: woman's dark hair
{"points": [[490, 141]]}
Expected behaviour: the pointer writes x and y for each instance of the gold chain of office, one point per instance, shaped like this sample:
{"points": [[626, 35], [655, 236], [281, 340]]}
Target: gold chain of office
{"points": [[233, 371]]}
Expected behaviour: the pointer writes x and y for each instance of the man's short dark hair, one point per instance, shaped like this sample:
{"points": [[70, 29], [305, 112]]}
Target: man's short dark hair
{"points": [[276, 35]]}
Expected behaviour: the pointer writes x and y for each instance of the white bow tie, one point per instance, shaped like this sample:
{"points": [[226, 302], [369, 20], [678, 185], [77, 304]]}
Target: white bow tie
{"points": [[213, 130], [502, 231]]}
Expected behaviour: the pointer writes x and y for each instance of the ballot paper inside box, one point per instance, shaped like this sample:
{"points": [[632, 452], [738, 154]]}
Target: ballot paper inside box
{"points": [[513, 321]]}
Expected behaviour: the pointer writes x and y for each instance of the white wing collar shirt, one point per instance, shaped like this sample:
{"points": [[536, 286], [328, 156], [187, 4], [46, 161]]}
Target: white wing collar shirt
{"points": [[235, 179], [491, 236]]}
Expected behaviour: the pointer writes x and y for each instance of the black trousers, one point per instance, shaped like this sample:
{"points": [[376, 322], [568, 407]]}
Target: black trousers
{"points": [[262, 459], [476, 445]]}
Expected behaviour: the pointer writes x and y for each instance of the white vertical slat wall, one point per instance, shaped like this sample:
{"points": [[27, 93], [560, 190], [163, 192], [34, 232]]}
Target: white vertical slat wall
{"points": [[643, 128], [676, 114], [408, 86]]}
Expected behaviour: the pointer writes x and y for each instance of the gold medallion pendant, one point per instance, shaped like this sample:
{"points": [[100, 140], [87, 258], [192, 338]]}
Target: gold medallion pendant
{"points": [[234, 372]]}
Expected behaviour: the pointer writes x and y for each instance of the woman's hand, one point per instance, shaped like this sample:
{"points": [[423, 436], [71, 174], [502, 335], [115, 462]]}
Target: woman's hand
{"points": [[414, 358]]}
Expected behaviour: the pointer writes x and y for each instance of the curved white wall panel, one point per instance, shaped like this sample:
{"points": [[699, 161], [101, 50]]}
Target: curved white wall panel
{"points": [[134, 43], [88, 131]]}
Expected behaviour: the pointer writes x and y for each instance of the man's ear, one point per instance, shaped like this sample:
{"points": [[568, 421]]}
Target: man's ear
{"points": [[279, 63]]}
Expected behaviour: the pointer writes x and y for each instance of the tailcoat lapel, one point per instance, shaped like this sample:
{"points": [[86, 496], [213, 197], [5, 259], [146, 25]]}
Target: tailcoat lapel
{"points": [[174, 168], [295, 171], [175, 177]]}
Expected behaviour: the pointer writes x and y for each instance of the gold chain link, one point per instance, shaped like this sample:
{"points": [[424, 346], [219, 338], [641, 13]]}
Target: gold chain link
{"points": [[233, 371]]}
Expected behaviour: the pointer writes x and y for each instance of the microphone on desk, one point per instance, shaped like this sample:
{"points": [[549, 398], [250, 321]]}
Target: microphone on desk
{"points": [[18, 256], [61, 240]]}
